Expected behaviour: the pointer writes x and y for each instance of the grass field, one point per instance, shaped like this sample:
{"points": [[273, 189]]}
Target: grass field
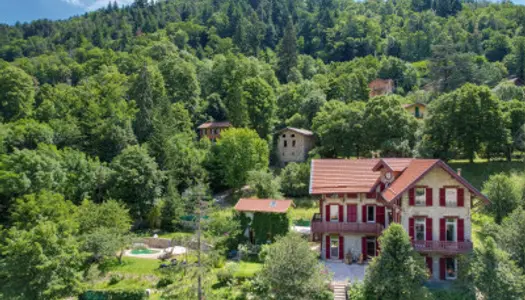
{"points": [[479, 171], [248, 269], [133, 265]]}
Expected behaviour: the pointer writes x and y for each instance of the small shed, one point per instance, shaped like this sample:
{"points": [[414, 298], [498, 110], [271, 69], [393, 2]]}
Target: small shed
{"points": [[264, 219]]}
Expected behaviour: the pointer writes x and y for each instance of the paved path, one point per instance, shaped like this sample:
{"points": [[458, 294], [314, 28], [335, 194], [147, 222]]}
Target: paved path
{"points": [[344, 273]]}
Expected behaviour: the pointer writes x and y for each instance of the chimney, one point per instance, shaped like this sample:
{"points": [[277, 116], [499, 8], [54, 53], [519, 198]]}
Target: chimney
{"points": [[459, 171]]}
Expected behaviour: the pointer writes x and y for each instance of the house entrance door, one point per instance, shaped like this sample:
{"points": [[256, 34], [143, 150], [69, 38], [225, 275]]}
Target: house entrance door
{"points": [[334, 247]]}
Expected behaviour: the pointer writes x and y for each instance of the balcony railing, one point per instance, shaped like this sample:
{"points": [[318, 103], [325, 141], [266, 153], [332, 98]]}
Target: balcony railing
{"points": [[444, 247], [318, 226]]}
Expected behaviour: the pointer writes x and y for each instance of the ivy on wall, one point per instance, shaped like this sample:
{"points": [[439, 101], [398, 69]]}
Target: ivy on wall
{"points": [[266, 226]]}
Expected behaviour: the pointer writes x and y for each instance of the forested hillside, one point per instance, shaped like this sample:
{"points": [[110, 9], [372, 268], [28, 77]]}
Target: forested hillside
{"points": [[105, 107], [87, 101]]}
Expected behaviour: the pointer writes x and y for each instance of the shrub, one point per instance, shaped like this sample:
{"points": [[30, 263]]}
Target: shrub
{"points": [[226, 274], [115, 278], [356, 291], [164, 282]]}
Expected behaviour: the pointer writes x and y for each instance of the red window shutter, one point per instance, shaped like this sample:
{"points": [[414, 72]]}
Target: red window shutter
{"points": [[442, 268], [364, 213], [327, 250], [377, 247], [380, 214], [341, 247], [461, 230], [351, 211], [442, 201], [429, 229], [461, 197], [429, 197], [429, 264], [411, 228], [411, 197], [363, 246], [442, 230], [327, 213], [341, 214]]}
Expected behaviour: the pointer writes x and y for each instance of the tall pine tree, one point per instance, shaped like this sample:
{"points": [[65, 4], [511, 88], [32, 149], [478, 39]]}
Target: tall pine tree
{"points": [[287, 52]]}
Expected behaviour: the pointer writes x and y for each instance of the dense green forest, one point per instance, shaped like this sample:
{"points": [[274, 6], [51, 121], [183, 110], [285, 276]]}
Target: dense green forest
{"points": [[105, 105]]}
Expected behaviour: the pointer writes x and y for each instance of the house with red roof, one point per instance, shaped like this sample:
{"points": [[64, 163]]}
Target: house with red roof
{"points": [[212, 129], [359, 198], [270, 215]]}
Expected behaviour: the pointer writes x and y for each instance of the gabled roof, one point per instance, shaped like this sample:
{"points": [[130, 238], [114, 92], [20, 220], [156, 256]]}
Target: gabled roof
{"points": [[263, 205], [414, 171], [298, 130], [331, 176], [414, 104], [213, 124]]}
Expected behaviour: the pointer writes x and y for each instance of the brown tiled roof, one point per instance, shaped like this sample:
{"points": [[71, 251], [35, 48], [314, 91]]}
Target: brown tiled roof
{"points": [[393, 164], [263, 205], [298, 130], [342, 175], [330, 176], [413, 172], [213, 124]]}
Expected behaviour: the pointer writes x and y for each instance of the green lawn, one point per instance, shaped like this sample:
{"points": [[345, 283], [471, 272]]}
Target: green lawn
{"points": [[248, 269], [479, 171], [133, 265]]}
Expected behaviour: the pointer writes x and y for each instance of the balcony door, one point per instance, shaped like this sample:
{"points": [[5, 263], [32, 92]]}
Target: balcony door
{"points": [[334, 213], [451, 234]]}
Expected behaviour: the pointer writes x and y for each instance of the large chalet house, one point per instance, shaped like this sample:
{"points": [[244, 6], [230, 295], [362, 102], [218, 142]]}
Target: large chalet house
{"points": [[359, 198]]}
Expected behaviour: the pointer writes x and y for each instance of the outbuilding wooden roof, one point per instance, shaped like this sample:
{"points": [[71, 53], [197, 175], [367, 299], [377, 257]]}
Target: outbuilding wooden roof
{"points": [[213, 124], [263, 205], [335, 176]]}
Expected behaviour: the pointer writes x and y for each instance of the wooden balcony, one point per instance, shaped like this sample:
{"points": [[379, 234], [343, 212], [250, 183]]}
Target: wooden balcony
{"points": [[318, 226], [443, 247]]}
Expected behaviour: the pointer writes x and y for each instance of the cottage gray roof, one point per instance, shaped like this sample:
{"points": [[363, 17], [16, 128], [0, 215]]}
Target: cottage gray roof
{"points": [[298, 130]]}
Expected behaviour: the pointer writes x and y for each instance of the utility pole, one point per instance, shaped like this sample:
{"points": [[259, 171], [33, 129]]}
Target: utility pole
{"points": [[199, 284]]}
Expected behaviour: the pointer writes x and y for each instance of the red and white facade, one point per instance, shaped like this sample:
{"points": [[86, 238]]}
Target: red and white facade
{"points": [[360, 198]]}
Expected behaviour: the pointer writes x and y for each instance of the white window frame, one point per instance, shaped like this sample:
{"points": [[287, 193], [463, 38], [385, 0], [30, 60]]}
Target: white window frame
{"points": [[368, 214], [451, 197], [334, 217], [334, 240], [447, 277], [423, 222], [420, 200], [451, 221]]}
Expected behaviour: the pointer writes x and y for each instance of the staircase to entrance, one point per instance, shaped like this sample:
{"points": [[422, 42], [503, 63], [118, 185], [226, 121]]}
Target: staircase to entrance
{"points": [[340, 290]]}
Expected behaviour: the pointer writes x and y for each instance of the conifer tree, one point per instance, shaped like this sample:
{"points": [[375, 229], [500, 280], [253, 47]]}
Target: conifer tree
{"points": [[287, 52]]}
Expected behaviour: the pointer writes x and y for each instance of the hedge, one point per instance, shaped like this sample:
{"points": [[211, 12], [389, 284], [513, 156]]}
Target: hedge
{"points": [[113, 295]]}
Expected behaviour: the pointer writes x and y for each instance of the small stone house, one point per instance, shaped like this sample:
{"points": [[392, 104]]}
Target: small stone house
{"points": [[418, 110], [294, 144]]}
